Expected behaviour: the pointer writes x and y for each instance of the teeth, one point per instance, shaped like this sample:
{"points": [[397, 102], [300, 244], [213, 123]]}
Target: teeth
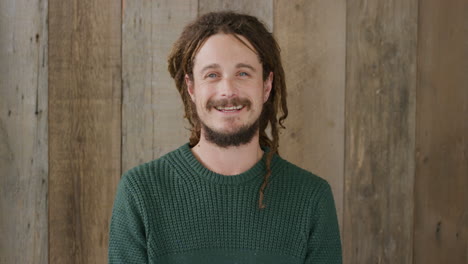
{"points": [[229, 108]]}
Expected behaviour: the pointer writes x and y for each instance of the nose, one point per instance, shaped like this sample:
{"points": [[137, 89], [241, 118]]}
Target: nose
{"points": [[227, 88]]}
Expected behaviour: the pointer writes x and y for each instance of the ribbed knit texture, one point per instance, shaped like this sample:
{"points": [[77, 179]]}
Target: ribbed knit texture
{"points": [[174, 210]]}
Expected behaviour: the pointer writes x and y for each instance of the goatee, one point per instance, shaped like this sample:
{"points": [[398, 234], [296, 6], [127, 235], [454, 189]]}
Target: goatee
{"points": [[243, 136]]}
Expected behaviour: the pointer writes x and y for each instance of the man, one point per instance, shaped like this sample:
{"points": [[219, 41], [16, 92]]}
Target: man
{"points": [[226, 196]]}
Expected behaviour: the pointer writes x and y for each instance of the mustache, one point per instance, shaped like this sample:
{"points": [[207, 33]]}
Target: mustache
{"points": [[228, 102]]}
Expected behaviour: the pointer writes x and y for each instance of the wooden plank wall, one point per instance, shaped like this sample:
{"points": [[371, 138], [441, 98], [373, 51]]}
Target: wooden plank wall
{"points": [[312, 37], [84, 127], [261, 9], [379, 136], [441, 179], [23, 132], [152, 111], [377, 99]]}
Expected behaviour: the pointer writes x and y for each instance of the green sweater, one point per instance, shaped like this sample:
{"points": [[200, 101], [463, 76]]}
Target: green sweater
{"points": [[174, 210]]}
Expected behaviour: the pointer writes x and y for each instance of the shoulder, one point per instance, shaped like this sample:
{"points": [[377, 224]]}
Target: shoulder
{"points": [[148, 173], [288, 171], [290, 176]]}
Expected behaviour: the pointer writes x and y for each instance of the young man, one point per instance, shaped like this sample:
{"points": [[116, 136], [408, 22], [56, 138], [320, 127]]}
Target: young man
{"points": [[226, 196]]}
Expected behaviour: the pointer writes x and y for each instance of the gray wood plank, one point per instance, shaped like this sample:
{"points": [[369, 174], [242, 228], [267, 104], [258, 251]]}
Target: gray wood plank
{"points": [[261, 9], [380, 127], [23, 132], [152, 111], [312, 35]]}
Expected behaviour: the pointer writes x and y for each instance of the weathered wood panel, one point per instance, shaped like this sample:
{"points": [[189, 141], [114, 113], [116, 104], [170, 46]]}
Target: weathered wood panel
{"points": [[152, 116], [312, 35], [261, 9], [23, 132], [441, 184], [380, 124], [84, 127]]}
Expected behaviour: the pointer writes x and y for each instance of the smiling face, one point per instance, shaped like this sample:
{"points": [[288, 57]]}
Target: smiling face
{"points": [[227, 87]]}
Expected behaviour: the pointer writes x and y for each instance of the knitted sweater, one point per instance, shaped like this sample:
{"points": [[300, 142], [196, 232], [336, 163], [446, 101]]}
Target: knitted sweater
{"points": [[174, 210]]}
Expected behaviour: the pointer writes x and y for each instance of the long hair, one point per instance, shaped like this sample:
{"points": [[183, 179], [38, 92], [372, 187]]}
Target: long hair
{"points": [[181, 61]]}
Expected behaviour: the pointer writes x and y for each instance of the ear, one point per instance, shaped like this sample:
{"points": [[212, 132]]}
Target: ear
{"points": [[267, 85], [190, 87]]}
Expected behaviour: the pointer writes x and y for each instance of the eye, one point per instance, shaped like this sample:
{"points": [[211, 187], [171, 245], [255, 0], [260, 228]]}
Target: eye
{"points": [[243, 74], [212, 75]]}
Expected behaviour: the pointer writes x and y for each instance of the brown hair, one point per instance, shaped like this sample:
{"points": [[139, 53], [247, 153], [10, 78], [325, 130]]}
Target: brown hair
{"points": [[182, 58]]}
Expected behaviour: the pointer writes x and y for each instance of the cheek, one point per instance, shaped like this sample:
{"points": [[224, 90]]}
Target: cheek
{"points": [[260, 97], [200, 103], [202, 99]]}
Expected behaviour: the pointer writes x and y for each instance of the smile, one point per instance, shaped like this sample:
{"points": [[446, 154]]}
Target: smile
{"points": [[229, 108]]}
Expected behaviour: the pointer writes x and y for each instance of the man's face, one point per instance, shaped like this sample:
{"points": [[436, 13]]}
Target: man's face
{"points": [[227, 87]]}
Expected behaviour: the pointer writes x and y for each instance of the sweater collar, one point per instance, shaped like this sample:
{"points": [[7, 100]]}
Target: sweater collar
{"points": [[256, 172]]}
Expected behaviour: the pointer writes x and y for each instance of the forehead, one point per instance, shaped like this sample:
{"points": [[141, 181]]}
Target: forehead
{"points": [[224, 49]]}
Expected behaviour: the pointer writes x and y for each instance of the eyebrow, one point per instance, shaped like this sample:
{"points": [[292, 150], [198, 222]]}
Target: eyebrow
{"points": [[217, 66], [243, 65], [210, 66]]}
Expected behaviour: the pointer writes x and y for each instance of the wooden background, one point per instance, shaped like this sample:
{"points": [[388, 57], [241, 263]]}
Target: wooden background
{"points": [[378, 99]]}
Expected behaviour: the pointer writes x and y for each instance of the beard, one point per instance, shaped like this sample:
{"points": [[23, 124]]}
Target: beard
{"points": [[241, 136]]}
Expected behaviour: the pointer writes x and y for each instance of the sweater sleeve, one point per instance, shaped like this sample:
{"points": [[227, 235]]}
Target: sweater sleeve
{"points": [[127, 239], [324, 244]]}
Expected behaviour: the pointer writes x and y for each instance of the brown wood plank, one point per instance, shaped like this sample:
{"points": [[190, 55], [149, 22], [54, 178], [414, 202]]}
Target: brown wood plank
{"points": [[261, 9], [152, 114], [23, 132], [312, 35], [84, 127], [441, 184], [379, 131]]}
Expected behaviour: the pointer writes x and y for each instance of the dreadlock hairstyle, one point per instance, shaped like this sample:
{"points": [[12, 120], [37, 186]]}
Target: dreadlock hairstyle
{"points": [[181, 62]]}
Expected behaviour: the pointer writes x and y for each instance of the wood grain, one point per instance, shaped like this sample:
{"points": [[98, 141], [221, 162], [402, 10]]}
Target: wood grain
{"points": [[391, 137], [261, 9], [312, 35], [84, 127], [152, 114], [441, 184], [379, 136], [23, 132]]}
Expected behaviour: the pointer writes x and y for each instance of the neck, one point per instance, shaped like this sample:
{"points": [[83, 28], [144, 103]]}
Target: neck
{"points": [[230, 160]]}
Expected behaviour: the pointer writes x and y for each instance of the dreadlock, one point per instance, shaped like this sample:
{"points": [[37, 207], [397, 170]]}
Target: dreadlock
{"points": [[181, 62]]}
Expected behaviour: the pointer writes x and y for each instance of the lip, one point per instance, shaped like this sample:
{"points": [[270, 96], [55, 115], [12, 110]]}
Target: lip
{"points": [[229, 112]]}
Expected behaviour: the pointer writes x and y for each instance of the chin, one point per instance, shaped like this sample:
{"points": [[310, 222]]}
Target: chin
{"points": [[230, 134], [233, 128], [227, 131]]}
